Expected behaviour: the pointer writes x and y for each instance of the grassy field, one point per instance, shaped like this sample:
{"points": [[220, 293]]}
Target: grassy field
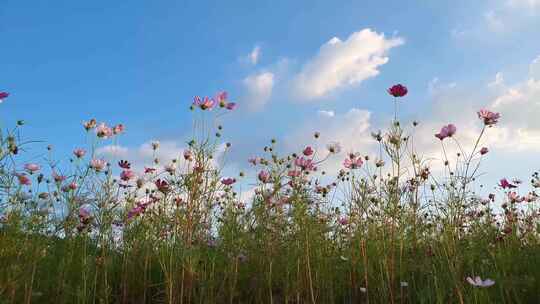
{"points": [[392, 227]]}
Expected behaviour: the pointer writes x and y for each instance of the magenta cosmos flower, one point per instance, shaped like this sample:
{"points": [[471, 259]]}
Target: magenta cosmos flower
{"points": [[205, 104], [308, 151], [3, 95], [504, 183], [484, 150], [228, 181], [489, 118], [305, 164], [31, 167], [353, 162], [446, 131], [398, 90]]}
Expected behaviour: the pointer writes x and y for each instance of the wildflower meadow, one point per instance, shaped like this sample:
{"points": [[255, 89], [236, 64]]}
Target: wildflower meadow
{"points": [[386, 227]]}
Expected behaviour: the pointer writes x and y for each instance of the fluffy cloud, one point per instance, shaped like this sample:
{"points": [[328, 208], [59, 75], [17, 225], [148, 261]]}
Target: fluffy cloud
{"points": [[258, 88], [344, 63]]}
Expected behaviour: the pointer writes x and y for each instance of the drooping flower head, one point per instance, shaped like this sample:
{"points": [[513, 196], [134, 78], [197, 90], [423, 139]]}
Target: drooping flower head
{"points": [[333, 147], [446, 131], [119, 128], [484, 150], [398, 90], [489, 118]]}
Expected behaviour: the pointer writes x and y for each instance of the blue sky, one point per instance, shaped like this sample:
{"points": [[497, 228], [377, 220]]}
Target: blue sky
{"points": [[140, 63]]}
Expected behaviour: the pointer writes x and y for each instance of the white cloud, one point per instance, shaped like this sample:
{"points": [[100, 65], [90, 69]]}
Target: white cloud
{"points": [[499, 80], [258, 88], [493, 21], [534, 69], [532, 4], [254, 55], [344, 63], [328, 114]]}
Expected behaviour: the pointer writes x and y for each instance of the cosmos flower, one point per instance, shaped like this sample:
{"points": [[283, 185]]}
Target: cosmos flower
{"points": [[162, 186], [264, 176], [89, 125], [124, 164], [353, 163], [23, 179], [398, 90], [305, 164], [58, 178], [32, 168], [103, 131], [504, 183], [79, 153], [308, 151], [484, 150], [228, 181], [98, 164], [489, 118], [119, 128], [3, 95], [127, 174], [478, 282], [446, 131], [188, 155]]}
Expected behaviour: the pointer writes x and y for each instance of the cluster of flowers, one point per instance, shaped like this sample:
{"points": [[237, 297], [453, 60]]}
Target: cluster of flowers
{"points": [[208, 103]]}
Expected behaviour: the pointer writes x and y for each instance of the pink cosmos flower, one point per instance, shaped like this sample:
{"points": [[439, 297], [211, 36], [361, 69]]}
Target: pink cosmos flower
{"points": [[254, 160], [127, 174], [221, 96], [103, 131], [514, 197], [264, 176], [305, 164], [188, 155], [294, 173], [231, 106], [88, 125], [489, 118], [149, 170], [58, 178], [308, 151], [73, 186], [119, 128], [446, 131], [205, 104], [334, 147], [84, 213], [228, 181], [478, 282], [79, 153], [23, 179], [484, 150], [504, 183], [31, 167], [98, 164], [162, 185], [353, 163], [398, 90], [3, 95], [343, 221]]}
